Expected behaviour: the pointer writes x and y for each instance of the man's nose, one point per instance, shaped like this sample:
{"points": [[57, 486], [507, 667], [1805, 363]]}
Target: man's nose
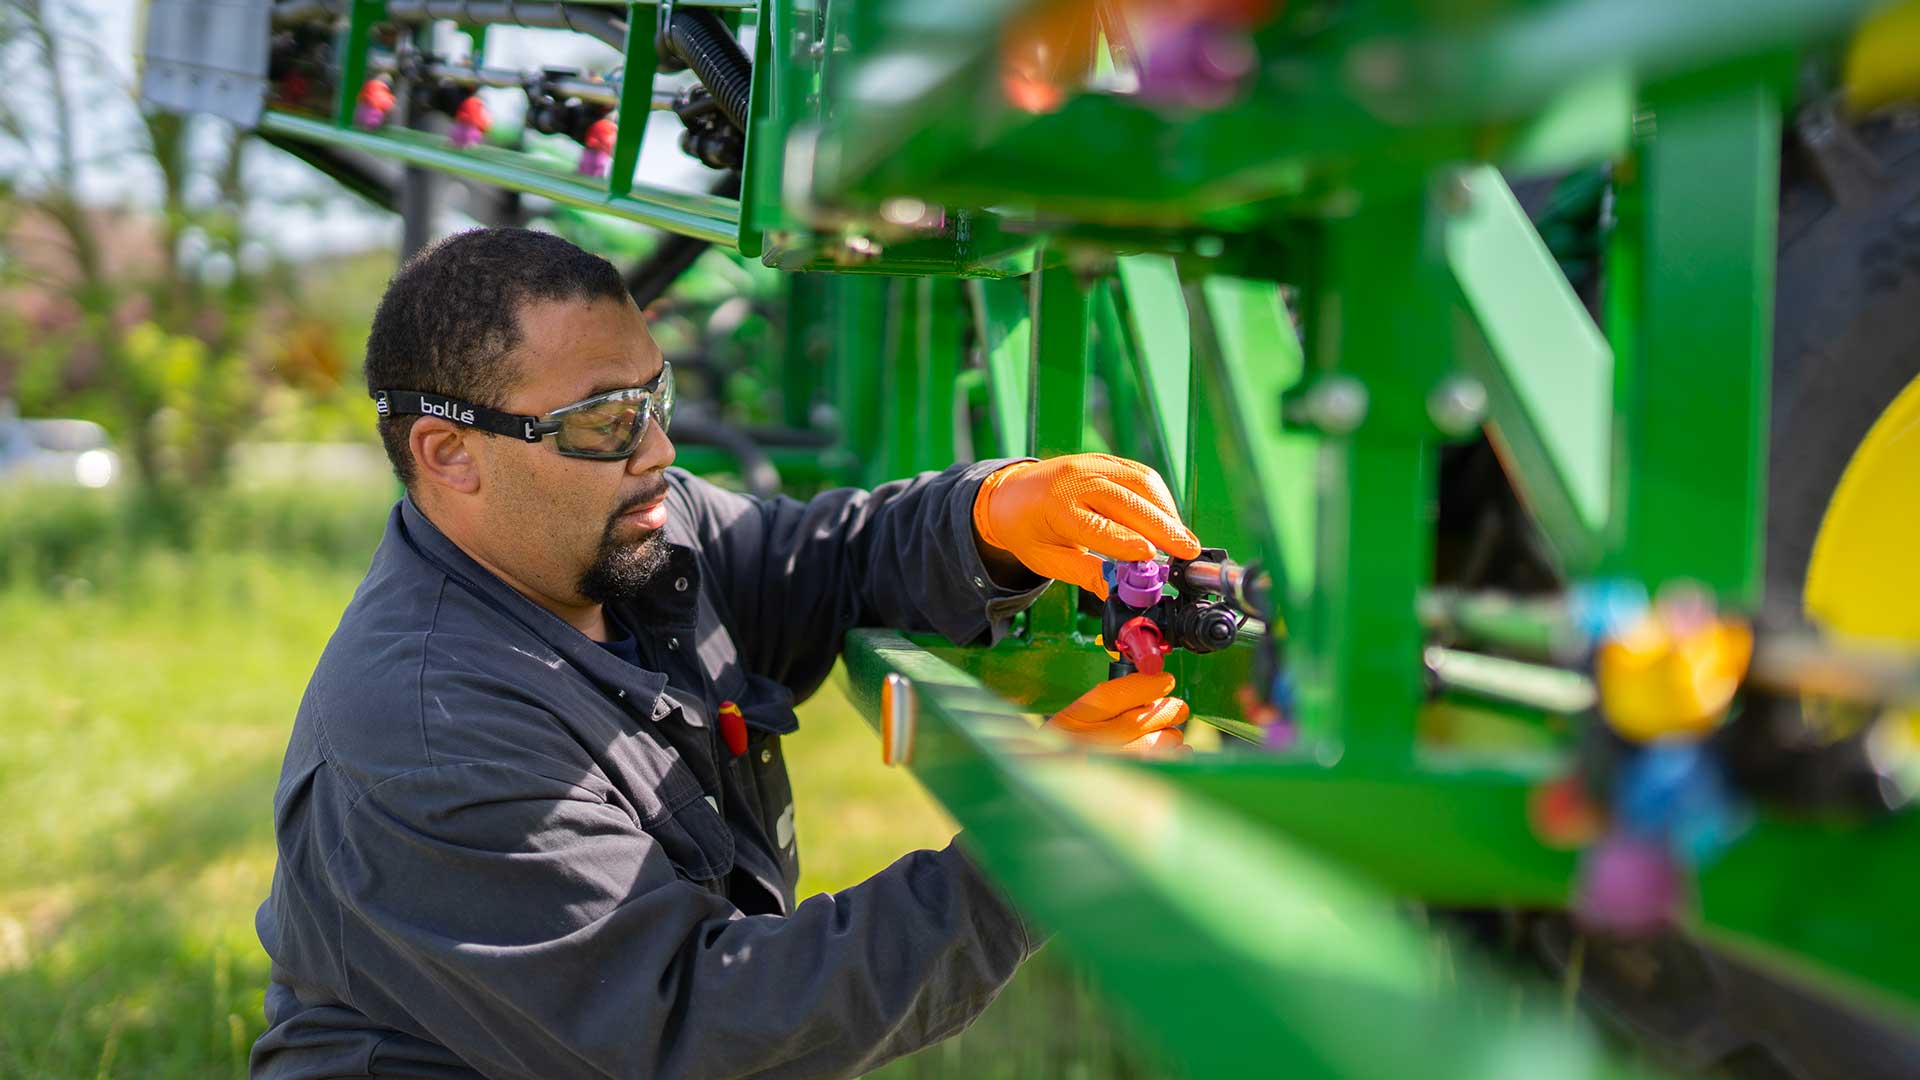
{"points": [[654, 452]]}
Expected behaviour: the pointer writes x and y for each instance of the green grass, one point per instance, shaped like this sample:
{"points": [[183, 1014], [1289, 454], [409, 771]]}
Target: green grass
{"points": [[149, 673]]}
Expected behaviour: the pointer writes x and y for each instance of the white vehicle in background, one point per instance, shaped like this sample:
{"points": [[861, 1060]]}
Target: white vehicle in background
{"points": [[62, 453]]}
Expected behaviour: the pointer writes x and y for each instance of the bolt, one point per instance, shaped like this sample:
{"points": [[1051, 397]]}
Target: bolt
{"points": [[1457, 405], [1335, 405], [818, 50], [903, 211], [860, 249]]}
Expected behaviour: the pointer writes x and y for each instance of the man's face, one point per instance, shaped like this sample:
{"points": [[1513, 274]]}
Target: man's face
{"points": [[574, 529]]}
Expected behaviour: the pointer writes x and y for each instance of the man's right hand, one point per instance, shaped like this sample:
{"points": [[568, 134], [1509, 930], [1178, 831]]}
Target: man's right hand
{"points": [[1134, 712]]}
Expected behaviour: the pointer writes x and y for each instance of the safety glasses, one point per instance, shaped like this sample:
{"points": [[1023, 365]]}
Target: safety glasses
{"points": [[604, 427]]}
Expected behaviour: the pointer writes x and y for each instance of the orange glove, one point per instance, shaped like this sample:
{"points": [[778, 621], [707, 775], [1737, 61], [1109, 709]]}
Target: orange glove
{"points": [[1132, 712], [1045, 512]]}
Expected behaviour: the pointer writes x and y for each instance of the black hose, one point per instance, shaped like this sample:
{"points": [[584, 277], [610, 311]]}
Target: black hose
{"points": [[757, 470], [655, 274], [652, 276], [704, 43]]}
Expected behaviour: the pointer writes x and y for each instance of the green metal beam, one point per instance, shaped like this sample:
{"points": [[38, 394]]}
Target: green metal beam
{"points": [[1690, 314], [1821, 902], [703, 216], [1155, 312], [802, 360], [1366, 103], [1000, 310], [937, 353], [353, 58], [1157, 890], [1246, 358], [1547, 368], [1062, 309], [636, 97], [1376, 320], [858, 309], [901, 388]]}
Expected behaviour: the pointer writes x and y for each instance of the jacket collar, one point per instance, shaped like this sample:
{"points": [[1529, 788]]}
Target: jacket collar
{"points": [[639, 688]]}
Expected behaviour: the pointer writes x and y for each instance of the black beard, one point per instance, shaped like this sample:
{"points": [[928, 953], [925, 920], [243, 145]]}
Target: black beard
{"points": [[622, 571]]}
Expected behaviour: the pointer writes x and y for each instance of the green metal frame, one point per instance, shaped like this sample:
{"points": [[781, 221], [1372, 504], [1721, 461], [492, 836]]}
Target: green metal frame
{"points": [[1339, 230]]}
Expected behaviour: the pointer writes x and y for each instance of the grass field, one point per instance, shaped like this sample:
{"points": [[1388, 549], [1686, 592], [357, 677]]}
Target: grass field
{"points": [[146, 691]]}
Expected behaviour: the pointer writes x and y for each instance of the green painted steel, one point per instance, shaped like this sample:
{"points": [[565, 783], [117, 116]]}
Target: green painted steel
{"points": [[1156, 315], [937, 353], [1547, 368], [1160, 888], [353, 67], [1367, 101], [1692, 316], [1126, 427], [1062, 309], [1821, 901], [640, 62], [1247, 358], [902, 387], [1001, 327], [704, 216], [803, 359], [1375, 325], [857, 308]]}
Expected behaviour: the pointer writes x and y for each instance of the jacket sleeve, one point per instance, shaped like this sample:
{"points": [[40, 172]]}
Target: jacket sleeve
{"points": [[797, 576], [538, 931]]}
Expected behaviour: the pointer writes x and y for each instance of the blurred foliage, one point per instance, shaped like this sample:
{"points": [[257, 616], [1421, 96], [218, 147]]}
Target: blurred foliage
{"points": [[159, 316], [51, 538]]}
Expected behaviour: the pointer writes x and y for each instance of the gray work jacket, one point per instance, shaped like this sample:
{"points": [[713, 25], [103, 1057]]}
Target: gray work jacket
{"points": [[505, 851]]}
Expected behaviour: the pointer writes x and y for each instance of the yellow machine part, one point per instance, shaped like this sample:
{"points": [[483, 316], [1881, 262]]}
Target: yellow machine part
{"points": [[1863, 579], [1883, 61]]}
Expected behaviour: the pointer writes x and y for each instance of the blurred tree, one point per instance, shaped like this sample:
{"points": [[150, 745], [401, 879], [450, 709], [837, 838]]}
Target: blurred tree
{"points": [[151, 319]]}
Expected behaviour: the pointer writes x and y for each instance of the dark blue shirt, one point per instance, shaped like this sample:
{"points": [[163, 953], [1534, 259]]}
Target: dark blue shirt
{"points": [[623, 644]]}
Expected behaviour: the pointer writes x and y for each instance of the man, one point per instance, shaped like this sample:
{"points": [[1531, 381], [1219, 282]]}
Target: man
{"points": [[534, 820]]}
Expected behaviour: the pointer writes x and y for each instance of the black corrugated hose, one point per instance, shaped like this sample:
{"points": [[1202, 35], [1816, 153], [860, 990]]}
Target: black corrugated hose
{"points": [[701, 41]]}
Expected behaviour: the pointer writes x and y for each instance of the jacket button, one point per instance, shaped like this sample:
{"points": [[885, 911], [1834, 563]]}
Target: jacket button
{"points": [[673, 644], [766, 756], [679, 584], [979, 583]]}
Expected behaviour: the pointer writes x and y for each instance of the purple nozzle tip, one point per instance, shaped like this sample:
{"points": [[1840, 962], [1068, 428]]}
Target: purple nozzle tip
{"points": [[1139, 583], [1627, 885]]}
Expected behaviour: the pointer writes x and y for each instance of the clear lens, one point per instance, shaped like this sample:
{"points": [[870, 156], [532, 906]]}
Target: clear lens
{"points": [[605, 427], [613, 424], [663, 399]]}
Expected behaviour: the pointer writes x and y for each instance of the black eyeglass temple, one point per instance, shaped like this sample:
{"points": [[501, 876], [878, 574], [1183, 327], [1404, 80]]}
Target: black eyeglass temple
{"points": [[413, 403]]}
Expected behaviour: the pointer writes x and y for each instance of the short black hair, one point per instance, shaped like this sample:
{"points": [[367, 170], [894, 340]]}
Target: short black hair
{"points": [[450, 319]]}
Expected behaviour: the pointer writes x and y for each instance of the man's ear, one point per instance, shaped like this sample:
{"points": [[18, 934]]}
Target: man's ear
{"points": [[444, 454]]}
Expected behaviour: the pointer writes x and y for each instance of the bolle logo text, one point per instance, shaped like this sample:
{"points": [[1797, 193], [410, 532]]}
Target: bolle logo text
{"points": [[447, 411]]}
